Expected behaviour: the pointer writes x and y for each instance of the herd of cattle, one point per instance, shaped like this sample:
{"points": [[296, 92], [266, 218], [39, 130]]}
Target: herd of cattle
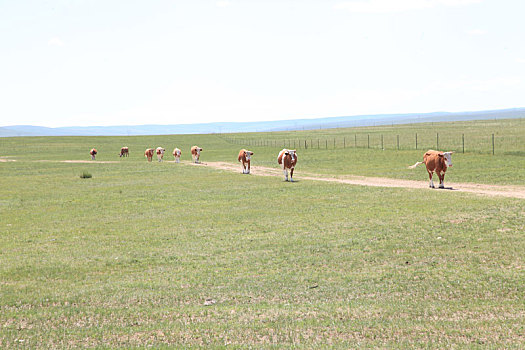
{"points": [[435, 161]]}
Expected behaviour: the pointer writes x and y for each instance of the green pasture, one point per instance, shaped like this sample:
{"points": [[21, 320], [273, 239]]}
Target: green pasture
{"points": [[174, 255], [477, 164]]}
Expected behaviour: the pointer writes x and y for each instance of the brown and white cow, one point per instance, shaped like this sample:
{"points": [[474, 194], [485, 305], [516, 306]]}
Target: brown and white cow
{"points": [[288, 159], [176, 154], [149, 154], [160, 153], [124, 152], [196, 153], [244, 158], [93, 153], [436, 162]]}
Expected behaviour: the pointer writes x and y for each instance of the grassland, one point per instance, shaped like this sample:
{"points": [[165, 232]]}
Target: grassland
{"points": [[129, 257]]}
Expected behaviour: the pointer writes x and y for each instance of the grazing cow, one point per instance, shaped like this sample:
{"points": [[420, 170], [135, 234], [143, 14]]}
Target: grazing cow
{"points": [[160, 153], [196, 153], [93, 153], [124, 152], [244, 158], [149, 154], [288, 159], [437, 162], [176, 154]]}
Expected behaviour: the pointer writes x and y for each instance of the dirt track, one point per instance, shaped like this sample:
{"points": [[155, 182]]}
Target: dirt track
{"points": [[481, 189]]}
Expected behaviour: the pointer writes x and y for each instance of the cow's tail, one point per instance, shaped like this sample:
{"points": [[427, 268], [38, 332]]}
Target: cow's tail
{"points": [[415, 165]]}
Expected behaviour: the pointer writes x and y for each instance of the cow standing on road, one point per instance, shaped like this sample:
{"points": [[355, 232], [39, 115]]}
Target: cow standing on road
{"points": [[244, 158], [176, 154], [436, 162], [196, 153], [160, 153], [288, 159]]}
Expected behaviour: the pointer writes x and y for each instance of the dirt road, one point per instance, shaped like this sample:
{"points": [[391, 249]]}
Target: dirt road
{"points": [[481, 189]]}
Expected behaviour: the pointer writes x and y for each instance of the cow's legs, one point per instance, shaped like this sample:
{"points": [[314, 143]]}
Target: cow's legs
{"points": [[243, 168], [248, 168], [441, 181], [291, 174], [285, 174], [431, 185]]}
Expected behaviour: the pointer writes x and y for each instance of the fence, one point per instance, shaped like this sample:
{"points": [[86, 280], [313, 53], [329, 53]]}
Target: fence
{"points": [[489, 143]]}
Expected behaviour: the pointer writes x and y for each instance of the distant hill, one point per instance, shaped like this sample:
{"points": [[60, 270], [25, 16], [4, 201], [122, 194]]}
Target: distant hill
{"points": [[277, 125]]}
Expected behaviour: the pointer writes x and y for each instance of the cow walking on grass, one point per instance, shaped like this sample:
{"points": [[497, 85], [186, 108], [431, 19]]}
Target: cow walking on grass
{"points": [[244, 158], [124, 152], [149, 154], [288, 159], [93, 153], [436, 162]]}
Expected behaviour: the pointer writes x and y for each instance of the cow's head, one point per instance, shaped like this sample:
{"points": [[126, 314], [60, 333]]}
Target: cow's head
{"points": [[291, 152], [448, 158], [248, 154]]}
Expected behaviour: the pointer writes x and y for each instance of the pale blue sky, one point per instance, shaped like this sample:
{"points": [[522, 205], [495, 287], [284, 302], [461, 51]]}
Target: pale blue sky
{"points": [[90, 62]]}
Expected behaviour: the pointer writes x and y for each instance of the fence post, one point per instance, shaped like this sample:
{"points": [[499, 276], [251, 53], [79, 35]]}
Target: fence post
{"points": [[305, 145], [355, 141], [492, 144], [344, 142], [317, 143], [368, 141], [398, 142], [334, 142], [326, 145], [382, 145], [416, 140], [463, 141]]}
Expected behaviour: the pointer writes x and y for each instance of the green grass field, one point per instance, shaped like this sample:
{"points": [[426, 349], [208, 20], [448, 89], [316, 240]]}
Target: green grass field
{"points": [[132, 256]]}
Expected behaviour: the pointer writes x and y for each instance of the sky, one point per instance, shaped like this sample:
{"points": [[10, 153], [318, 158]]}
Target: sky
{"points": [[112, 62]]}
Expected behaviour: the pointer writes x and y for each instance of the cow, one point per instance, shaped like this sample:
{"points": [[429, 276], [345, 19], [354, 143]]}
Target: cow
{"points": [[149, 154], [124, 152], [244, 158], [288, 159], [196, 153], [176, 154], [437, 162], [160, 153], [93, 153]]}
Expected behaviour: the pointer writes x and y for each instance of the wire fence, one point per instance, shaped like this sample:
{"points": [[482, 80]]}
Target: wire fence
{"points": [[490, 143]]}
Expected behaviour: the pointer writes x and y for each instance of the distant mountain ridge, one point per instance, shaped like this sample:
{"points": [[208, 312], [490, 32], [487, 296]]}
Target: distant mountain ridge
{"points": [[277, 125]]}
